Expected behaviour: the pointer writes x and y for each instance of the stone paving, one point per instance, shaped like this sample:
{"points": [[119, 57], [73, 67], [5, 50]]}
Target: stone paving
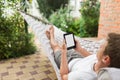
{"points": [[30, 67]]}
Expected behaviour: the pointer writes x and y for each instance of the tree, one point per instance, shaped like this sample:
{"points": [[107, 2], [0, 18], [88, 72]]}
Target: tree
{"points": [[47, 6]]}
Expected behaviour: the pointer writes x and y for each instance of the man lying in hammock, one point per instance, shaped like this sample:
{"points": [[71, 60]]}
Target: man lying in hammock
{"points": [[81, 65]]}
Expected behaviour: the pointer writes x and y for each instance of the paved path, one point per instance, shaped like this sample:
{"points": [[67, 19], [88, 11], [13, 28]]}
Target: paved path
{"points": [[30, 67]]}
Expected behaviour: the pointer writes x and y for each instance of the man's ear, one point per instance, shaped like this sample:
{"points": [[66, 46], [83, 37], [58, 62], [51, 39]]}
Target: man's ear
{"points": [[106, 60]]}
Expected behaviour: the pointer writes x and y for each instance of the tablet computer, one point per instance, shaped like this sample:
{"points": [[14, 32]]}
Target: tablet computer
{"points": [[69, 40]]}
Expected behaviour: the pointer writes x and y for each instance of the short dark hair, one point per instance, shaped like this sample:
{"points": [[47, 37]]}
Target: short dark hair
{"points": [[113, 49]]}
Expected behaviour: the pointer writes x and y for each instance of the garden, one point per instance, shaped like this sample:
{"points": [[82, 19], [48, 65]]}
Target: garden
{"points": [[15, 38]]}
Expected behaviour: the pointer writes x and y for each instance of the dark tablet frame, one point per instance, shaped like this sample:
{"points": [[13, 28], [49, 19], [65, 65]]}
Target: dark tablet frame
{"points": [[71, 47]]}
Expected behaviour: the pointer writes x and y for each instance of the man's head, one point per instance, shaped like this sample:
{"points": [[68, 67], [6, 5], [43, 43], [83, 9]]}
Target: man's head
{"points": [[109, 54], [113, 50]]}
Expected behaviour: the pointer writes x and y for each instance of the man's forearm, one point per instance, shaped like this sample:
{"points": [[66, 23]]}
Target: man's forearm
{"points": [[83, 52], [64, 65]]}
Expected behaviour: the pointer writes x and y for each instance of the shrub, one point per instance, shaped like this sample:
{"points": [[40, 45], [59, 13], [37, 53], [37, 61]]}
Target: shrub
{"points": [[85, 26], [62, 19], [13, 36], [90, 16]]}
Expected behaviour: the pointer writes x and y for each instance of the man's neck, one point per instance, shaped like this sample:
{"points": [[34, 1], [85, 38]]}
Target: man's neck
{"points": [[96, 68]]}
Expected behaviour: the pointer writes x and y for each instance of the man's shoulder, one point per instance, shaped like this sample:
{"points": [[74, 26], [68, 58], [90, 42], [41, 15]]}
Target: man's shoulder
{"points": [[91, 57]]}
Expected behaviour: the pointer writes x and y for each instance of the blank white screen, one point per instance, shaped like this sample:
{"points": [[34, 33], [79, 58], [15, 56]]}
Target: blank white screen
{"points": [[69, 40]]}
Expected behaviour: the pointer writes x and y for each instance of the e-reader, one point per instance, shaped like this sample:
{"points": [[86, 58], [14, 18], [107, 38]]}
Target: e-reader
{"points": [[69, 40]]}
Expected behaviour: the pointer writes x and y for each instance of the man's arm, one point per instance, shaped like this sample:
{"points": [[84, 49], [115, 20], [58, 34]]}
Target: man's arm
{"points": [[64, 64], [81, 50]]}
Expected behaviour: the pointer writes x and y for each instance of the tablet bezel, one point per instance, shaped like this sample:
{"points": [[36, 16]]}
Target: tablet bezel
{"points": [[71, 47]]}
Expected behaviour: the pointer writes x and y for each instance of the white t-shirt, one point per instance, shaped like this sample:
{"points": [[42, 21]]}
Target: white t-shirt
{"points": [[82, 69]]}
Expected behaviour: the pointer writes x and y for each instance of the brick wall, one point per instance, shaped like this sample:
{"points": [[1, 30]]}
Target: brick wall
{"points": [[109, 17]]}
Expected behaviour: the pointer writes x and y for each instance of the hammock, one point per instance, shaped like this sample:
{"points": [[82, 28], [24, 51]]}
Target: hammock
{"points": [[39, 28]]}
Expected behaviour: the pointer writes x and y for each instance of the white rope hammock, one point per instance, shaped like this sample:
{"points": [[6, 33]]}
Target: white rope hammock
{"points": [[39, 28]]}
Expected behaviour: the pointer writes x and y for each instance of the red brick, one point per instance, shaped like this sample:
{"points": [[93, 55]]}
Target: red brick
{"points": [[117, 0], [109, 17]]}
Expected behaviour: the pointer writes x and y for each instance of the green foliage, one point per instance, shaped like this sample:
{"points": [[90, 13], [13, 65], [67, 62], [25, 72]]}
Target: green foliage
{"points": [[90, 16], [74, 26], [85, 26], [13, 37], [47, 6], [62, 19]]}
